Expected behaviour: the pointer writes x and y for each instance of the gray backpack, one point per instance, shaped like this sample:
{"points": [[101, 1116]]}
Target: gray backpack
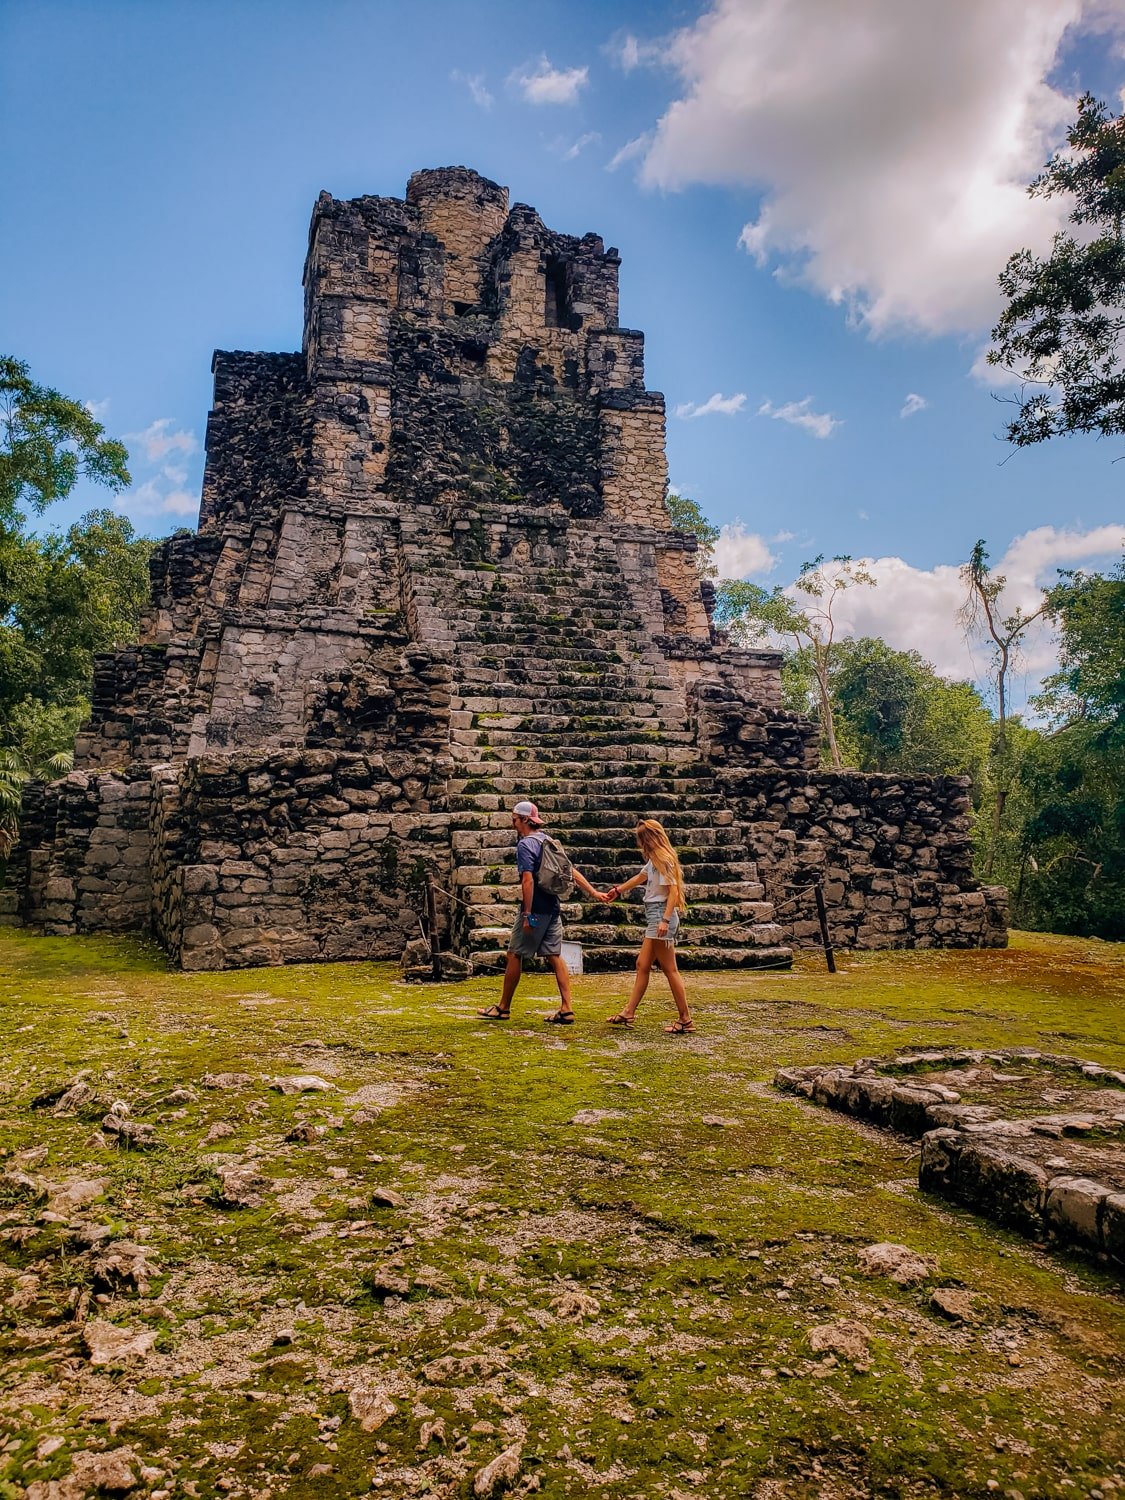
{"points": [[555, 874]]}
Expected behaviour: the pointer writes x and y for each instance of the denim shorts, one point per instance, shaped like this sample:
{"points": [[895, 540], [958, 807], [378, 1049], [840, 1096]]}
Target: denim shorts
{"points": [[654, 915], [542, 940]]}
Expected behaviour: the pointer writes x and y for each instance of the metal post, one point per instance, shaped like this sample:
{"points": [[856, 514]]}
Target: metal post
{"points": [[822, 913], [431, 923]]}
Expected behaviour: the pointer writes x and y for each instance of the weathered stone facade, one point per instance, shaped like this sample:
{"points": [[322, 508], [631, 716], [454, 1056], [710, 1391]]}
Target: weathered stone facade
{"points": [[435, 572]]}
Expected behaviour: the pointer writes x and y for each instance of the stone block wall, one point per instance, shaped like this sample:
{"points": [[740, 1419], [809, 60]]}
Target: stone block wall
{"points": [[893, 853], [82, 864], [297, 858]]}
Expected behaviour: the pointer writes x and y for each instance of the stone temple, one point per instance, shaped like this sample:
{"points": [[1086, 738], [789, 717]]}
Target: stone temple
{"points": [[434, 573]]}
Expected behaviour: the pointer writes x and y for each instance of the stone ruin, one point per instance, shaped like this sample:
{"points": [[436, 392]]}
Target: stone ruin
{"points": [[1031, 1139], [435, 572]]}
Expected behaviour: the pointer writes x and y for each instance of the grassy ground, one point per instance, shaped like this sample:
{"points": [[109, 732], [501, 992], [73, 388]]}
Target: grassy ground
{"points": [[609, 1256]]}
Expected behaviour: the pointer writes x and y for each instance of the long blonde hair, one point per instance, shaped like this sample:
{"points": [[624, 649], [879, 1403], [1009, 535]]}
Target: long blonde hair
{"points": [[656, 847]]}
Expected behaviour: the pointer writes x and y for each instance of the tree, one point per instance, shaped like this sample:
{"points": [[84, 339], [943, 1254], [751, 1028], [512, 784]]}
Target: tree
{"points": [[982, 616], [896, 713], [1071, 875], [63, 595], [1063, 324], [46, 441], [754, 613], [687, 516], [1088, 610]]}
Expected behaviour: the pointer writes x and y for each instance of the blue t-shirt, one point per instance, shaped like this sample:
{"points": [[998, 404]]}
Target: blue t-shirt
{"points": [[529, 854]]}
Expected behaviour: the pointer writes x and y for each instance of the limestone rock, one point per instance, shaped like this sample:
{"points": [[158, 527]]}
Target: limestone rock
{"points": [[112, 1473], [383, 1197], [900, 1263], [226, 1081], [239, 1187], [76, 1192], [371, 1407], [501, 1473], [573, 1307], [110, 1344], [953, 1303], [596, 1116], [304, 1083], [21, 1185], [131, 1134], [848, 1339], [123, 1267]]}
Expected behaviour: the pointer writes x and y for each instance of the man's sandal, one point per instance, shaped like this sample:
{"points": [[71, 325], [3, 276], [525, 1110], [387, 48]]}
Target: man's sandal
{"points": [[621, 1019], [679, 1028], [560, 1018], [494, 1013]]}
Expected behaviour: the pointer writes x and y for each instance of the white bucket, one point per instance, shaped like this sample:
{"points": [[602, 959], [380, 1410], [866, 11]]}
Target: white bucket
{"points": [[572, 957]]}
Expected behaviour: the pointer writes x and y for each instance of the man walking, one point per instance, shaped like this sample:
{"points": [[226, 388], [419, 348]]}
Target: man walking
{"points": [[538, 930]]}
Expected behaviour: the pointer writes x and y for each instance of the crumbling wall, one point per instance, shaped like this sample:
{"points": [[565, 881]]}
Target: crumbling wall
{"points": [[82, 861], [893, 853], [299, 857]]}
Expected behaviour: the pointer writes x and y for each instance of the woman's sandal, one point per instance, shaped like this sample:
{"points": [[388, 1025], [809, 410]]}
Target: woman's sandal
{"points": [[620, 1019], [494, 1013], [679, 1028], [561, 1018]]}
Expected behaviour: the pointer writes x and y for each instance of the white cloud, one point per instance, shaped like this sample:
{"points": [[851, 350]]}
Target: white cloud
{"points": [[158, 441], [739, 552], [548, 85], [891, 143], [628, 151], [630, 53], [476, 86], [913, 404], [580, 145], [99, 410], [727, 405], [916, 608], [153, 498], [783, 536], [800, 414]]}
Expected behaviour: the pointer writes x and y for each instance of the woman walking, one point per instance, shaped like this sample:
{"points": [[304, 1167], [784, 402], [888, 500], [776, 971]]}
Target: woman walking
{"points": [[663, 881]]}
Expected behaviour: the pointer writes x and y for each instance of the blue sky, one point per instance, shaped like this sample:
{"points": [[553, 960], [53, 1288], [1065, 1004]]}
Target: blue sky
{"points": [[812, 201]]}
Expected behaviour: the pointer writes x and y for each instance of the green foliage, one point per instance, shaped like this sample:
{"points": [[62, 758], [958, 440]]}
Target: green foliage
{"points": [[1071, 854], [1065, 315], [755, 615], [897, 714], [1071, 875], [1089, 613], [46, 441], [64, 595], [687, 516]]}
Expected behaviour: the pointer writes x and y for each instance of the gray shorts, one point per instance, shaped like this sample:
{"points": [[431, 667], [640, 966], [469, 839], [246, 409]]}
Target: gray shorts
{"points": [[654, 915], [543, 939]]}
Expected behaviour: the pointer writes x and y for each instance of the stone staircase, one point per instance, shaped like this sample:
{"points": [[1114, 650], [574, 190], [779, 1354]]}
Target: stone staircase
{"points": [[560, 696]]}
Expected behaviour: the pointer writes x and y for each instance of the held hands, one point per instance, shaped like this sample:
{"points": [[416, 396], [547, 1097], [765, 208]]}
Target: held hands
{"points": [[607, 898]]}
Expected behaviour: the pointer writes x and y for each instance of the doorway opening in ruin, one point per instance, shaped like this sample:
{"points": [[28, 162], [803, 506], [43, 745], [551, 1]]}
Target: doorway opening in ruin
{"points": [[557, 309]]}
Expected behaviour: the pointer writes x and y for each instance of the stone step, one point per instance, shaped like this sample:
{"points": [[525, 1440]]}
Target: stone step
{"points": [[477, 882], [518, 759], [614, 825], [533, 773], [555, 809], [562, 740], [471, 650], [693, 956], [556, 710], [713, 915], [592, 786]]}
